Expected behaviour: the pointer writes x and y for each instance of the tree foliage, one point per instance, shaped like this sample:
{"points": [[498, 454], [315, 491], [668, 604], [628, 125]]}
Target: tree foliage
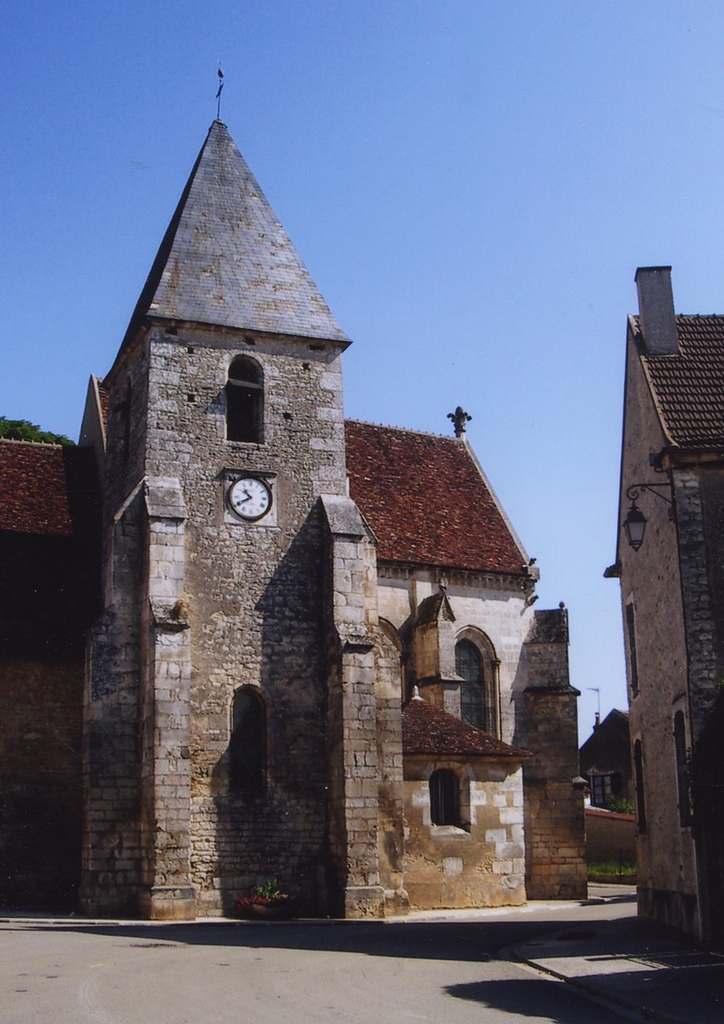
{"points": [[24, 430]]}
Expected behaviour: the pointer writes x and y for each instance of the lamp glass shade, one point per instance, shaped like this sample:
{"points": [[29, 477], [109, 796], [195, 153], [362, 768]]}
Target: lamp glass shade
{"points": [[635, 526]]}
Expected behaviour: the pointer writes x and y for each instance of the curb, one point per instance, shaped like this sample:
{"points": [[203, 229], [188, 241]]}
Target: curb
{"points": [[604, 997]]}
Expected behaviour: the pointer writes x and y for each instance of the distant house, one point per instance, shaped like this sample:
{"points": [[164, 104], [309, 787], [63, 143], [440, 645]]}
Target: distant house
{"points": [[670, 562], [605, 760]]}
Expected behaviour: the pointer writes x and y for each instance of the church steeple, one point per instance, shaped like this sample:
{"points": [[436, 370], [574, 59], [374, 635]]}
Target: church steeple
{"points": [[226, 259]]}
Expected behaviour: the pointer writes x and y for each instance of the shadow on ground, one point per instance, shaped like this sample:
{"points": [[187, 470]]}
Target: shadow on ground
{"points": [[531, 997], [440, 940]]}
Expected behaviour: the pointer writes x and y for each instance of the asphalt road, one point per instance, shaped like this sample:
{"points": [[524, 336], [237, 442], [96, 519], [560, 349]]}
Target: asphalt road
{"points": [[414, 972]]}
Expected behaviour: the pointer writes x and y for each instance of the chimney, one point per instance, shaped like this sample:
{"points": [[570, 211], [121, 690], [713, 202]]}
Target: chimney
{"points": [[656, 311], [596, 721]]}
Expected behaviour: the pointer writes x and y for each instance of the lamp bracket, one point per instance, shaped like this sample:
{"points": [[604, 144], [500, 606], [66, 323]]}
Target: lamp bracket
{"points": [[634, 490]]}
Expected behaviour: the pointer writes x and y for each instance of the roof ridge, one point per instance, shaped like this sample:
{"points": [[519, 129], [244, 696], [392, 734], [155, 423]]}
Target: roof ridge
{"points": [[35, 444], [402, 430]]}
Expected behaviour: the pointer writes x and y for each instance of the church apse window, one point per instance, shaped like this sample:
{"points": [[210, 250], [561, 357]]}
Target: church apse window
{"points": [[244, 401], [247, 747], [444, 798], [469, 666]]}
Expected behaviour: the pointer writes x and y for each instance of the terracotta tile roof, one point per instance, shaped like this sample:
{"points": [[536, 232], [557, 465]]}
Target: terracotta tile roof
{"points": [[33, 490], [430, 730], [689, 388], [426, 501]]}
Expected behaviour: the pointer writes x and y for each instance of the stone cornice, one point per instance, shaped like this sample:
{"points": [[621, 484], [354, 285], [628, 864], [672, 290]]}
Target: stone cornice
{"points": [[455, 577]]}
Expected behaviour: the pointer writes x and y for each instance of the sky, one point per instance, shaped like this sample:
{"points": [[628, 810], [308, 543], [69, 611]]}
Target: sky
{"points": [[472, 185]]}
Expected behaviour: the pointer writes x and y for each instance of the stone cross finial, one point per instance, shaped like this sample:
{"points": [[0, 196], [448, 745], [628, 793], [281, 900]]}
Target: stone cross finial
{"points": [[459, 418]]}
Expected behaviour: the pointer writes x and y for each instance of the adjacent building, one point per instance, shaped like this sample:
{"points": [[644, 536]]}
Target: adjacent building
{"points": [[670, 563]]}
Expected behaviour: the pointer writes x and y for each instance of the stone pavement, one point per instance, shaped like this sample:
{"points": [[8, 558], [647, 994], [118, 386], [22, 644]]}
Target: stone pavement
{"points": [[636, 965]]}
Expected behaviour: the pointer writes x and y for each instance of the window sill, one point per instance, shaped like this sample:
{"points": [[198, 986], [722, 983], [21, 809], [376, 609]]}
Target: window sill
{"points": [[448, 832]]}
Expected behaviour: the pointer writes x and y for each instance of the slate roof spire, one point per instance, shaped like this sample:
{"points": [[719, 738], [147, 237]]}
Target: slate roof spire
{"points": [[226, 259]]}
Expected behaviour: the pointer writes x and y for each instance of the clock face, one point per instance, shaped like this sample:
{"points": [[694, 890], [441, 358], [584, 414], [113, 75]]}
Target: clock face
{"points": [[250, 498]]}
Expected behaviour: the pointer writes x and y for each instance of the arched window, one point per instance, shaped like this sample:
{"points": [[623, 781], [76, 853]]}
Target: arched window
{"points": [[469, 666], [244, 401], [639, 782], [444, 798], [682, 768], [247, 747]]}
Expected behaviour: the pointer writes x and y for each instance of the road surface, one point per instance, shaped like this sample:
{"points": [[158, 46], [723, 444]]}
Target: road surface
{"points": [[417, 971]]}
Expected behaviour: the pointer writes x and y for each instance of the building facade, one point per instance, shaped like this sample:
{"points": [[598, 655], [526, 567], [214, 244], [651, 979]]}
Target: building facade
{"points": [[317, 658], [671, 566]]}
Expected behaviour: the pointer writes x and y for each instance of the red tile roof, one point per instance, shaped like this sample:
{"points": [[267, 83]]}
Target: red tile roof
{"points": [[689, 388], [426, 501], [430, 730], [33, 488]]}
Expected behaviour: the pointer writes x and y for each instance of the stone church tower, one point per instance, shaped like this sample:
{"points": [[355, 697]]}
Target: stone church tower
{"points": [[230, 709], [312, 652]]}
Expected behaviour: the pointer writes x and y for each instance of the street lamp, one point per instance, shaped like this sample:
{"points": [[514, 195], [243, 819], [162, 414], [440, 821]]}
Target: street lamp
{"points": [[635, 526], [635, 522]]}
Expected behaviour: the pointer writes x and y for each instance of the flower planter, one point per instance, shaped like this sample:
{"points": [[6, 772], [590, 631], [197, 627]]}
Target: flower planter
{"points": [[276, 910]]}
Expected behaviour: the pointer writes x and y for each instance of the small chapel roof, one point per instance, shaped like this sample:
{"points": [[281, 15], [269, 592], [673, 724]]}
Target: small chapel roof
{"points": [[428, 502], [226, 259], [688, 388], [430, 730]]}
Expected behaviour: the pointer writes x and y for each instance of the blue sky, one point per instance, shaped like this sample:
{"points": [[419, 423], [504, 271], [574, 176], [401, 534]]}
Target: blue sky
{"points": [[472, 185]]}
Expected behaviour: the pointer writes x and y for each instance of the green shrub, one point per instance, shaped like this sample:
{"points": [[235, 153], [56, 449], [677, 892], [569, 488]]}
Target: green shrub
{"points": [[621, 805], [611, 867]]}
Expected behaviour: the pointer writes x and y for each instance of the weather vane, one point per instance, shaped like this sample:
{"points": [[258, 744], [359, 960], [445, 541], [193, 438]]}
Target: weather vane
{"points": [[220, 73]]}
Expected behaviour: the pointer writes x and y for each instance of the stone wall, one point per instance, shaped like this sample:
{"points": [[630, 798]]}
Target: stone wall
{"points": [[112, 719], [482, 863], [352, 751], [554, 813], [610, 836], [390, 799], [40, 782]]}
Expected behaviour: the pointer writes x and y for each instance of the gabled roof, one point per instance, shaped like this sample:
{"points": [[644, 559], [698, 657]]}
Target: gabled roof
{"points": [[689, 388], [33, 489], [427, 501], [226, 259], [430, 730]]}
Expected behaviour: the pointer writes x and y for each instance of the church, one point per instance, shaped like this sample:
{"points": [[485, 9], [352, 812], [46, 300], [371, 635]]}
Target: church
{"points": [[244, 639]]}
